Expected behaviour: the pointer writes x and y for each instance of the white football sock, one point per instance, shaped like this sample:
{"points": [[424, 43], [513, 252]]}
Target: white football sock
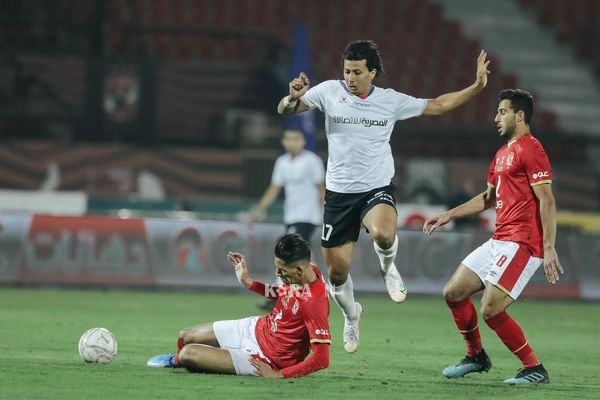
{"points": [[344, 297], [387, 256]]}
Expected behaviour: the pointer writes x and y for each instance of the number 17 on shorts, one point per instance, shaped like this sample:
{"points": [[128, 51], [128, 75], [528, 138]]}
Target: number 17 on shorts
{"points": [[326, 232]]}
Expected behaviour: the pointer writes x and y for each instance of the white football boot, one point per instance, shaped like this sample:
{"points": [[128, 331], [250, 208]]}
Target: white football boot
{"points": [[394, 284], [352, 332]]}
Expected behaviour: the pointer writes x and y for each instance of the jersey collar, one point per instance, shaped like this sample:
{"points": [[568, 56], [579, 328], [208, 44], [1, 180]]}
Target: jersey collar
{"points": [[352, 94], [510, 142]]}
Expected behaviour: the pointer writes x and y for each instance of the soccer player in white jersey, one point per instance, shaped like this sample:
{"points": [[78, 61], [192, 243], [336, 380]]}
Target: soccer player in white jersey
{"points": [[359, 119]]}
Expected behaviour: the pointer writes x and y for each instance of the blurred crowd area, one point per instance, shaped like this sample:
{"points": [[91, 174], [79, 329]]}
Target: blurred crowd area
{"points": [[155, 107]]}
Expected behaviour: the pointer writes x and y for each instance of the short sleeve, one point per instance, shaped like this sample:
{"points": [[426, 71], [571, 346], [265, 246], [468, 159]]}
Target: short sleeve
{"points": [[278, 178], [315, 96], [408, 106], [537, 165], [491, 176], [316, 320]]}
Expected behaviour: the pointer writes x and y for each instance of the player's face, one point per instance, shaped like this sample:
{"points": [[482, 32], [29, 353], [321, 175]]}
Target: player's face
{"points": [[358, 77], [506, 119], [293, 142], [289, 274]]}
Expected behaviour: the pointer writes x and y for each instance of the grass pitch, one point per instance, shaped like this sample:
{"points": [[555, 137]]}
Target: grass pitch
{"points": [[403, 349]]}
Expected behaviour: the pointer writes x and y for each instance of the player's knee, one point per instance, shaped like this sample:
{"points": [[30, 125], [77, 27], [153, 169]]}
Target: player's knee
{"points": [[490, 309], [185, 355], [184, 335], [337, 276], [452, 293], [383, 237]]}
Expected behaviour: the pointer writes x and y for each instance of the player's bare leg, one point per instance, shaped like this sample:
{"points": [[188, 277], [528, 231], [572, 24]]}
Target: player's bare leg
{"points": [[494, 301], [381, 222], [338, 266], [462, 285], [199, 334], [204, 358], [493, 309], [457, 292]]}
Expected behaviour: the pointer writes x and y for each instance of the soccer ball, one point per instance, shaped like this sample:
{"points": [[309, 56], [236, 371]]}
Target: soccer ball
{"points": [[97, 345]]}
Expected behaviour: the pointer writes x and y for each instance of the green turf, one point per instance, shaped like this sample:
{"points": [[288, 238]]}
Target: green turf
{"points": [[403, 349]]}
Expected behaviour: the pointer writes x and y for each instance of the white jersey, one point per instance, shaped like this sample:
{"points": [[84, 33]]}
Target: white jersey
{"points": [[299, 177], [358, 133]]}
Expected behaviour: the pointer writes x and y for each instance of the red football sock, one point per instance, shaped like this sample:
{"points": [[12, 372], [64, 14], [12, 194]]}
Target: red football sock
{"points": [[180, 344], [513, 337], [465, 317]]}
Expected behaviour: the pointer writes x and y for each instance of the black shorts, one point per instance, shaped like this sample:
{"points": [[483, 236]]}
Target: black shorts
{"points": [[303, 229], [344, 213]]}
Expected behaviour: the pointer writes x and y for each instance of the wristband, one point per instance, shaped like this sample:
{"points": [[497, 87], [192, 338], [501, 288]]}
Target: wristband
{"points": [[289, 104]]}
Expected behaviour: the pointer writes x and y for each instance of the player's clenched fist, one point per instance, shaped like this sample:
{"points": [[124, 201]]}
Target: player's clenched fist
{"points": [[299, 86]]}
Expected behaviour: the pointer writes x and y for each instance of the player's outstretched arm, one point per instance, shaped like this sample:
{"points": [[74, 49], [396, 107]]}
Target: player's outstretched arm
{"points": [[477, 204], [292, 104], [238, 260], [258, 213], [449, 101], [552, 266]]}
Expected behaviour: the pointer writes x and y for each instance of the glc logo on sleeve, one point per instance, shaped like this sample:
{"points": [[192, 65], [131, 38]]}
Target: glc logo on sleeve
{"points": [[543, 174], [322, 332]]}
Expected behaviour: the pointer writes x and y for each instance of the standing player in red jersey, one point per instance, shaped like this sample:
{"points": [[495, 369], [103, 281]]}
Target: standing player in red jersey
{"points": [[519, 184], [275, 345]]}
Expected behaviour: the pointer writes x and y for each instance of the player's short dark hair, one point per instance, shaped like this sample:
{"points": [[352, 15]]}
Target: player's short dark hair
{"points": [[364, 50], [291, 248], [520, 100]]}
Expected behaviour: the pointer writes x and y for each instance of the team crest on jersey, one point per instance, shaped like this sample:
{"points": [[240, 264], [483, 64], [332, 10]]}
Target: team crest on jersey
{"points": [[343, 99], [284, 301], [509, 159], [499, 164]]}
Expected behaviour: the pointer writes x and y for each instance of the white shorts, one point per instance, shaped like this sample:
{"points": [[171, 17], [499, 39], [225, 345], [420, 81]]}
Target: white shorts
{"points": [[239, 338], [506, 265]]}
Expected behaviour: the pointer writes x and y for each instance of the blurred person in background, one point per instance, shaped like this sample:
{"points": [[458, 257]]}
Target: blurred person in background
{"points": [[359, 120], [301, 174], [519, 185]]}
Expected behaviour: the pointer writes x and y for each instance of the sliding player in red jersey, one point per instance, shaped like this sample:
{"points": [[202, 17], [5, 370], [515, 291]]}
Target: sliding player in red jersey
{"points": [[519, 185], [276, 345]]}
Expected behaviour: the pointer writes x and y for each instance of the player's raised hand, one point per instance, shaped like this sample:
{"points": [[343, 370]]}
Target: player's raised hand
{"points": [[435, 222], [299, 86], [265, 370], [481, 77], [552, 266], [238, 260]]}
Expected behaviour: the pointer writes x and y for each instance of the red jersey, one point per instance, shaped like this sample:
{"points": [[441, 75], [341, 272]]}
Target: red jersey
{"points": [[300, 317], [517, 167]]}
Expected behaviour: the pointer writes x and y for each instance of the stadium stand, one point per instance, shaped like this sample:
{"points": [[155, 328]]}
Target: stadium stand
{"points": [[574, 22], [210, 57]]}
